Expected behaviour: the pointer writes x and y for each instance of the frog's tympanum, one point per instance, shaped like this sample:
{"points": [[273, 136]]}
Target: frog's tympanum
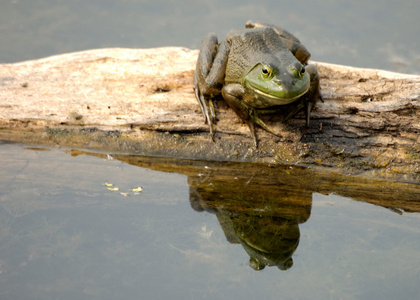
{"points": [[255, 70]]}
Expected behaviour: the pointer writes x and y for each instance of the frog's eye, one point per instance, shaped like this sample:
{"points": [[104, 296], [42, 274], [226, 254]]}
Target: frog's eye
{"points": [[302, 71], [297, 69], [266, 71]]}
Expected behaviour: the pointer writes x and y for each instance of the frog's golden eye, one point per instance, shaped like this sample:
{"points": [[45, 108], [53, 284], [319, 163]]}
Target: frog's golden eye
{"points": [[266, 71], [297, 69]]}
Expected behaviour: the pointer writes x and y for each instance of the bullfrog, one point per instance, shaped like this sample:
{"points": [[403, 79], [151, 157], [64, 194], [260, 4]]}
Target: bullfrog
{"points": [[257, 70]]}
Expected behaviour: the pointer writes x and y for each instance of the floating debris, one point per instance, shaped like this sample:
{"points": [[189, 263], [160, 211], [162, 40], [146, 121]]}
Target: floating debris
{"points": [[137, 189], [111, 187]]}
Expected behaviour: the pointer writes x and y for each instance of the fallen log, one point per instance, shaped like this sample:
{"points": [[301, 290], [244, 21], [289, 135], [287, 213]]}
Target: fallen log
{"points": [[141, 102]]}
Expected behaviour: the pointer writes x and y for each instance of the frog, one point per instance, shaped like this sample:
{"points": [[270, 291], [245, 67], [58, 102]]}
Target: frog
{"points": [[257, 70]]}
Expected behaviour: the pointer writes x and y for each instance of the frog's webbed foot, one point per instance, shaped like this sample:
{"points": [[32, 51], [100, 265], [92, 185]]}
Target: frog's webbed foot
{"points": [[233, 94], [207, 107], [256, 119]]}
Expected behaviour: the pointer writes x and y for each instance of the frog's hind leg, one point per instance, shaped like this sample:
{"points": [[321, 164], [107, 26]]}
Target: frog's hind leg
{"points": [[205, 60], [209, 76], [207, 108]]}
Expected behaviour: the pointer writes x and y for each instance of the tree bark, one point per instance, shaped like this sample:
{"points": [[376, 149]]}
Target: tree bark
{"points": [[142, 102]]}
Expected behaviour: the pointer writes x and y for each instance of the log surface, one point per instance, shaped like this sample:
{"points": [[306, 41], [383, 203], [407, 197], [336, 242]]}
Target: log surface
{"points": [[141, 101]]}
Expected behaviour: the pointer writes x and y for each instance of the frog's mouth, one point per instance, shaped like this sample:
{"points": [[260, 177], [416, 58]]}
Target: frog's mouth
{"points": [[286, 98]]}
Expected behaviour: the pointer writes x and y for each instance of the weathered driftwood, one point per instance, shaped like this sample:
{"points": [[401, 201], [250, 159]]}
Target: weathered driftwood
{"points": [[142, 102]]}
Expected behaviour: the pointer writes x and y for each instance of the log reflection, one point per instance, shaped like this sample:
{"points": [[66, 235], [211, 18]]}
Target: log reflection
{"points": [[261, 206]]}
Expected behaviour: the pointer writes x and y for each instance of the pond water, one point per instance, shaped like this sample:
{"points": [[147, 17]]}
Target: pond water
{"points": [[66, 233], [358, 33]]}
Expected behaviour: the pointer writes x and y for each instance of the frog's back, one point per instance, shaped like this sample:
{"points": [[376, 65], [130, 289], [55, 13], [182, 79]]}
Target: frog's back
{"points": [[252, 46]]}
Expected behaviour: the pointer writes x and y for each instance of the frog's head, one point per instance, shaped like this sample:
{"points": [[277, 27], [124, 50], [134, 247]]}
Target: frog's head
{"points": [[278, 86]]}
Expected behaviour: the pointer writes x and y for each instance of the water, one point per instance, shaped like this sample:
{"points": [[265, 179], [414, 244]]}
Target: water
{"points": [[358, 33], [65, 235]]}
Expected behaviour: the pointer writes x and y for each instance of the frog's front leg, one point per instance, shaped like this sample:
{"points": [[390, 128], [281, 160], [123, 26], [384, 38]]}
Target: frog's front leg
{"points": [[314, 93], [209, 76], [234, 95]]}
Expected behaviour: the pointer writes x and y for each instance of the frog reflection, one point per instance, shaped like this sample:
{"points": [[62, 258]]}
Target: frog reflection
{"points": [[262, 216], [268, 240]]}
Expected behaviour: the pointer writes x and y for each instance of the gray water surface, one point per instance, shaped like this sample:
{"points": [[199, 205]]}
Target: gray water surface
{"points": [[64, 234], [375, 34]]}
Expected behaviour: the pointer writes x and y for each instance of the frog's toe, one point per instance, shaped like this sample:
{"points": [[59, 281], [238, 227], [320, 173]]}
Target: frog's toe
{"points": [[270, 130], [207, 108], [320, 97], [212, 112], [212, 133], [264, 126], [309, 107], [311, 104], [251, 127]]}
